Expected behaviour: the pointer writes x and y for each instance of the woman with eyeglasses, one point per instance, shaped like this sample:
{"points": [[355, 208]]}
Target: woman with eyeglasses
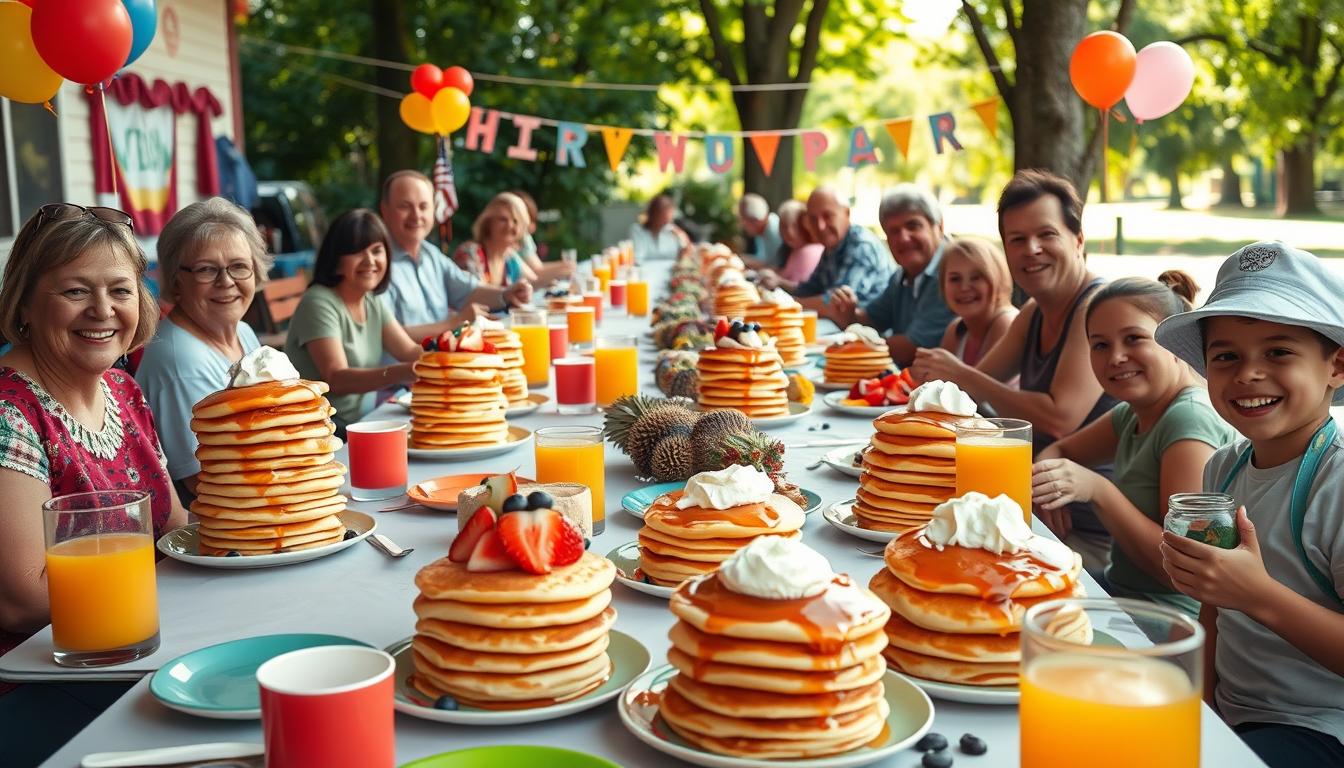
{"points": [[211, 262]]}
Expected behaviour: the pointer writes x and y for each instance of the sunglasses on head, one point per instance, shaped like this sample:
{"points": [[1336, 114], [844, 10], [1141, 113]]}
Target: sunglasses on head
{"points": [[68, 211]]}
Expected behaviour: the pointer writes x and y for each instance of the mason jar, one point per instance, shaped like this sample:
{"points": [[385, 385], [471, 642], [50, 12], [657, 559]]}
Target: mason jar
{"points": [[1210, 518]]}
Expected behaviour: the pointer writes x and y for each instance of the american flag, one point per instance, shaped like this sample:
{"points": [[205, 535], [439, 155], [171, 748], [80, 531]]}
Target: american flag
{"points": [[445, 192]]}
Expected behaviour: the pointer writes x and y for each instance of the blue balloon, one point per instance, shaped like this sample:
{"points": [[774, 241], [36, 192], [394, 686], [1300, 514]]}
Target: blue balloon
{"points": [[144, 22]]}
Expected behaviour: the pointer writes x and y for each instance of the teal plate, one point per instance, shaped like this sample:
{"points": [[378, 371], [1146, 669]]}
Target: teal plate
{"points": [[637, 501], [494, 757], [220, 681]]}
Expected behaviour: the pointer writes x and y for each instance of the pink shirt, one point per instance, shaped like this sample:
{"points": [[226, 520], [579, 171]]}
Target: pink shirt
{"points": [[801, 262]]}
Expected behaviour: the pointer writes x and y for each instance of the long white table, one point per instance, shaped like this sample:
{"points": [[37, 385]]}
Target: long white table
{"points": [[365, 595]]}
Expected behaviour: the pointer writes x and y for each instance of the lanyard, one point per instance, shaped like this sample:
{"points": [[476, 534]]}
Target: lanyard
{"points": [[1306, 474]]}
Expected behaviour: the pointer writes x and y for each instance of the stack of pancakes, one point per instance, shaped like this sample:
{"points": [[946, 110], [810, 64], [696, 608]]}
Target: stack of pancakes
{"points": [[678, 544], [774, 679], [457, 400], [909, 468], [853, 361], [731, 299], [784, 323], [510, 639], [956, 613], [509, 346], [268, 482], [750, 380]]}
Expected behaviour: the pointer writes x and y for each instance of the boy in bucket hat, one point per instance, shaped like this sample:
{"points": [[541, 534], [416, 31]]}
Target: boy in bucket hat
{"points": [[1269, 342]]}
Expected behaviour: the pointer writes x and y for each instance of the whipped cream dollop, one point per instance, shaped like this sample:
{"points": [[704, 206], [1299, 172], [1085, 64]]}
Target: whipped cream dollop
{"points": [[778, 297], [856, 332], [729, 487], [488, 324], [744, 340], [776, 568], [261, 365], [942, 397], [732, 277], [976, 521]]}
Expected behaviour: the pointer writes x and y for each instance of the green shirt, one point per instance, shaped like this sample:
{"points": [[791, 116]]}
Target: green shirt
{"points": [[322, 315], [1138, 471]]}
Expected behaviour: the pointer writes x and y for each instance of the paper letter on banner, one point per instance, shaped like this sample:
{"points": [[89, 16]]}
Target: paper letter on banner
{"points": [[482, 128], [861, 150], [569, 141], [814, 143], [766, 146], [900, 134], [719, 153], [523, 149], [671, 151], [616, 140], [988, 111], [944, 126]]}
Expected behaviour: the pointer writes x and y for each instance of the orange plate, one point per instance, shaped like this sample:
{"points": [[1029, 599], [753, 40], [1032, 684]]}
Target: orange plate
{"points": [[441, 492]]}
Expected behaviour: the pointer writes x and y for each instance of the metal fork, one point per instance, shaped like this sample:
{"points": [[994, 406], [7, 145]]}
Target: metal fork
{"points": [[871, 552], [388, 547]]}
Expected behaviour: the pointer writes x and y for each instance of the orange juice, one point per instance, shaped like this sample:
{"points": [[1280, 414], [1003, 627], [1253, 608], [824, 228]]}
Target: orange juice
{"points": [[1107, 712], [580, 324], [564, 460], [809, 326], [102, 591], [603, 274], [536, 353], [637, 297], [617, 373], [995, 465]]}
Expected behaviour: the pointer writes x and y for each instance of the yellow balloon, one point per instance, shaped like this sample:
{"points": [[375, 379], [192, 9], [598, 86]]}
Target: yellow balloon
{"points": [[416, 113], [450, 109], [24, 76]]}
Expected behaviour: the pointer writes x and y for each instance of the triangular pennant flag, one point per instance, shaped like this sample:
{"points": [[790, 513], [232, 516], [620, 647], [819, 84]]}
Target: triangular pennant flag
{"points": [[900, 133], [988, 110], [616, 140], [766, 145]]}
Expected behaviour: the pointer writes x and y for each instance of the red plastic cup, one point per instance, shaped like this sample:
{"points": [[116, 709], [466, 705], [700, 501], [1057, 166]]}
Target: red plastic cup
{"points": [[559, 340], [329, 706], [377, 459], [575, 385], [617, 288]]}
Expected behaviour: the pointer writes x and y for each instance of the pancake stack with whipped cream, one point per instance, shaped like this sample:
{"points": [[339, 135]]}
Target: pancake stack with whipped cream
{"points": [[911, 465], [690, 532], [733, 294], [959, 587], [508, 345], [269, 482], [457, 400], [776, 656], [781, 316], [721, 264], [858, 353], [743, 371]]}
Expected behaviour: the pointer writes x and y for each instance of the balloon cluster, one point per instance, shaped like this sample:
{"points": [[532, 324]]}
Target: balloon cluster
{"points": [[438, 102], [1153, 82], [43, 42]]}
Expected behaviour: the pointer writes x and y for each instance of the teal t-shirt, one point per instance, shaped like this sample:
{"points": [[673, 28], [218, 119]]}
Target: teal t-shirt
{"points": [[1138, 470], [322, 315]]}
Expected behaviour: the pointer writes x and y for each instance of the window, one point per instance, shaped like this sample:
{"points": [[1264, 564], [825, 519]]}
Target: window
{"points": [[30, 163]]}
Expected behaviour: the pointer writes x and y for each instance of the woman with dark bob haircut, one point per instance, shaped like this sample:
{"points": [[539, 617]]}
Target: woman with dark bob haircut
{"points": [[341, 328]]}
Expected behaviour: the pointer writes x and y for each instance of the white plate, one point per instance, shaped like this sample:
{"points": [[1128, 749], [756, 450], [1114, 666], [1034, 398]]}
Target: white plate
{"points": [[840, 459], [999, 695], [796, 412], [181, 544], [833, 399], [841, 515], [910, 718], [534, 401], [626, 558], [518, 436], [831, 386], [629, 660], [637, 502]]}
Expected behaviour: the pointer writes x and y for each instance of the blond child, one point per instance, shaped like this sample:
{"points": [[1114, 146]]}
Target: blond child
{"points": [[979, 291]]}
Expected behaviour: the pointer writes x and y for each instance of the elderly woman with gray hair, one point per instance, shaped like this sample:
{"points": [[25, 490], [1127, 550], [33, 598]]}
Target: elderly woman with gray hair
{"points": [[803, 249], [211, 261], [912, 308]]}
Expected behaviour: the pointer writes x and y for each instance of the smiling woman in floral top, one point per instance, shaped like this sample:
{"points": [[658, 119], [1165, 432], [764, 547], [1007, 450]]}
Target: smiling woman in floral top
{"points": [[74, 301]]}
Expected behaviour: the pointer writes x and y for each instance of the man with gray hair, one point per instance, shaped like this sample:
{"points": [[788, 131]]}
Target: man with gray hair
{"points": [[852, 257], [912, 307], [762, 230]]}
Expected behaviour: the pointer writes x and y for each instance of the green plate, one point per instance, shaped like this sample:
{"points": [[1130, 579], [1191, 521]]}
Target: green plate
{"points": [[494, 757], [637, 501]]}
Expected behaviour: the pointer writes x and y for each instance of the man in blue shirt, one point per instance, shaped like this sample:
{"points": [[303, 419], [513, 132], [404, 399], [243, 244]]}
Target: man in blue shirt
{"points": [[853, 257], [912, 307], [427, 292]]}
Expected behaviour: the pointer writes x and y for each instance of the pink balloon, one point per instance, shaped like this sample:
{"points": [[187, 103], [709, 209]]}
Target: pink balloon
{"points": [[1163, 76]]}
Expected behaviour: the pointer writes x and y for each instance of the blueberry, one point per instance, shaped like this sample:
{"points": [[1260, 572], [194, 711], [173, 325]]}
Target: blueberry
{"points": [[514, 503], [349, 534], [931, 741], [233, 553], [735, 328], [939, 759], [756, 327], [826, 425], [446, 702], [973, 745], [539, 500], [587, 542]]}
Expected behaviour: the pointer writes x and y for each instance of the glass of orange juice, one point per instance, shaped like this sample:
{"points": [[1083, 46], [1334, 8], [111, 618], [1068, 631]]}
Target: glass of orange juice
{"points": [[809, 326], [574, 455], [637, 297], [617, 368], [1110, 683], [530, 325], [602, 271], [994, 457], [580, 325], [100, 577]]}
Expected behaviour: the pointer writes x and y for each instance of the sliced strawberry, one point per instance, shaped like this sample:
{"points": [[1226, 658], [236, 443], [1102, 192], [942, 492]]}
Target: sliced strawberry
{"points": [[490, 555], [447, 342], [876, 397], [855, 392], [568, 544], [721, 328], [900, 398], [489, 347], [530, 537], [480, 524], [471, 340], [907, 378], [892, 389]]}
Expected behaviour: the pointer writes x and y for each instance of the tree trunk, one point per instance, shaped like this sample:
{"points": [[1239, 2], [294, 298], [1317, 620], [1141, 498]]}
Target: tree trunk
{"points": [[1049, 126], [767, 110], [1297, 179], [1229, 190], [1174, 201], [397, 145]]}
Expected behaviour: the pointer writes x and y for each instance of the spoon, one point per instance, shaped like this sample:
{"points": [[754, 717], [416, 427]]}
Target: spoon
{"points": [[871, 552], [388, 547]]}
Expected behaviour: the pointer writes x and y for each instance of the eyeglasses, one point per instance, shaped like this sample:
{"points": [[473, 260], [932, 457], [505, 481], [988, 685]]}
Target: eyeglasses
{"points": [[209, 273], [68, 211]]}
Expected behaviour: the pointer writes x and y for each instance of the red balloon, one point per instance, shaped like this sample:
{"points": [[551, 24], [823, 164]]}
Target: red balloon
{"points": [[459, 78], [426, 80], [85, 41]]}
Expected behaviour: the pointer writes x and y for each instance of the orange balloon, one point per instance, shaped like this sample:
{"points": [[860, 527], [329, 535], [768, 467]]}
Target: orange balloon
{"points": [[415, 113], [1102, 67]]}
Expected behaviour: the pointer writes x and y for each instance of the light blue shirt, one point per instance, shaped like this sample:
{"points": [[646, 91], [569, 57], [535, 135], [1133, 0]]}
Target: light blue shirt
{"points": [[428, 289], [649, 246], [177, 371], [766, 246]]}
